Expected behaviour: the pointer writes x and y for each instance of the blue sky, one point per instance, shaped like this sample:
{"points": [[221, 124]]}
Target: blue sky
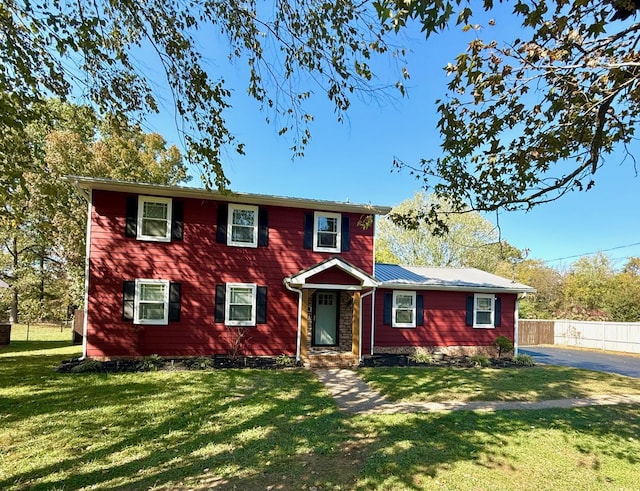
{"points": [[353, 160]]}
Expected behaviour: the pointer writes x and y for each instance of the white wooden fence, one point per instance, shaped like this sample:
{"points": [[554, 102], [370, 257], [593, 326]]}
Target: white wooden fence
{"points": [[610, 336]]}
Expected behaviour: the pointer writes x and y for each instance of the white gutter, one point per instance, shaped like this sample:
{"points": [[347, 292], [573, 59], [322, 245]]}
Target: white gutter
{"points": [[298, 336], [360, 322], [88, 197]]}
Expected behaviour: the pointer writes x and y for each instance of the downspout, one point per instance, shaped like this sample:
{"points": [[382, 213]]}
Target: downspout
{"points": [[373, 323], [360, 323], [88, 195], [516, 328], [298, 336]]}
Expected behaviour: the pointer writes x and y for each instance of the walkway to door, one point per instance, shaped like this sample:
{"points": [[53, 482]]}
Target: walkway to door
{"points": [[354, 396]]}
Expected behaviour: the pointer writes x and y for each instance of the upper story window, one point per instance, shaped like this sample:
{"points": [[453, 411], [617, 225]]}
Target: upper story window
{"points": [[151, 302], [154, 219], [404, 309], [326, 231], [242, 227], [484, 308]]}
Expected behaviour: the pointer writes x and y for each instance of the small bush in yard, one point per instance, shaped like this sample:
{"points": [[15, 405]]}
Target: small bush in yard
{"points": [[284, 361], [523, 360], [420, 355], [87, 366], [152, 362], [503, 344], [479, 361]]}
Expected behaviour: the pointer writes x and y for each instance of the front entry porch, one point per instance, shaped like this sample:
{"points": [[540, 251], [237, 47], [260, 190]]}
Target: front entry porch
{"points": [[329, 322]]}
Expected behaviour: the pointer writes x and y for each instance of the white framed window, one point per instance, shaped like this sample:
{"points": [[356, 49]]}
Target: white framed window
{"points": [[483, 310], [154, 219], [403, 309], [326, 231], [242, 229], [240, 305], [151, 305]]}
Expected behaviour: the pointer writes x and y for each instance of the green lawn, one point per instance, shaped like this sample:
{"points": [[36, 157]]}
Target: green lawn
{"points": [[437, 384], [252, 429]]}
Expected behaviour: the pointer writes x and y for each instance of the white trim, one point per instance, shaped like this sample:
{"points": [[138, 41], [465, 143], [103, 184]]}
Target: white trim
{"points": [[227, 304], [153, 199], [491, 324], [330, 286], [390, 285], [230, 225], [394, 309], [338, 233], [137, 300]]}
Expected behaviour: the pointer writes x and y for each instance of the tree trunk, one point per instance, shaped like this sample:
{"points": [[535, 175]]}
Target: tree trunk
{"points": [[13, 313]]}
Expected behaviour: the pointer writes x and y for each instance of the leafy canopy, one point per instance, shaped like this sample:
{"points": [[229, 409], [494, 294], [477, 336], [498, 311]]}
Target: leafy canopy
{"points": [[103, 53], [525, 121]]}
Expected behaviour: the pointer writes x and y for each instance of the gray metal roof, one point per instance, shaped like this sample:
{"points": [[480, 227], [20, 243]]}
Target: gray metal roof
{"points": [[430, 278]]}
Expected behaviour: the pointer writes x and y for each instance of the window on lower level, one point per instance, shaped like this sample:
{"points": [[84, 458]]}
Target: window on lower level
{"points": [[151, 302], [483, 312], [240, 308], [404, 309]]}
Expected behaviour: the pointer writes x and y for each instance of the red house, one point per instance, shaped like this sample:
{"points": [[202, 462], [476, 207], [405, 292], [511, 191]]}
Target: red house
{"points": [[178, 271]]}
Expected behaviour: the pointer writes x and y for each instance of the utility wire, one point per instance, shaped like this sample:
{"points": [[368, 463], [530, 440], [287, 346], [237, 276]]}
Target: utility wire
{"points": [[591, 253]]}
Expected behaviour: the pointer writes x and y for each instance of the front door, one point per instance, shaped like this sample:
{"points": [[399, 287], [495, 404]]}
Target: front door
{"points": [[325, 331]]}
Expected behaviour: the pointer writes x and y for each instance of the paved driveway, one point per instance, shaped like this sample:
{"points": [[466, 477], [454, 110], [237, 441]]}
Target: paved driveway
{"points": [[590, 360]]}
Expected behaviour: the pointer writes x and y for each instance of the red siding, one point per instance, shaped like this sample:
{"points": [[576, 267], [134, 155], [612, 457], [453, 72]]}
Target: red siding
{"points": [[199, 263], [333, 276], [444, 322]]}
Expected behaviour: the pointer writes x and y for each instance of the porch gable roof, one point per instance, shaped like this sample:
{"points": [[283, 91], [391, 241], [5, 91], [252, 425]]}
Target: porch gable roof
{"points": [[304, 278]]}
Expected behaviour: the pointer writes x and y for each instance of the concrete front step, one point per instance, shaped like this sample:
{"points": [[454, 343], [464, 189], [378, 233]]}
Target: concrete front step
{"points": [[331, 361]]}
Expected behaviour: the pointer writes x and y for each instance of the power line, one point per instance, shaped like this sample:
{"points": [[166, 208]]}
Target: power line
{"points": [[591, 253]]}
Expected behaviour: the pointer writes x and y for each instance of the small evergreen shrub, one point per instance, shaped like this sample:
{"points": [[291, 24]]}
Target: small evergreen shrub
{"points": [[420, 355], [479, 361], [523, 360], [503, 344]]}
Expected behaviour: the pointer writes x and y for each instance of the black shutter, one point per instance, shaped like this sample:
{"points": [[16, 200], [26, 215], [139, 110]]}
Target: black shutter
{"points": [[497, 314], [261, 307], [177, 220], [175, 293], [345, 238], [263, 227], [221, 231], [388, 300], [131, 211], [419, 310], [308, 231], [128, 299], [469, 317], [221, 291]]}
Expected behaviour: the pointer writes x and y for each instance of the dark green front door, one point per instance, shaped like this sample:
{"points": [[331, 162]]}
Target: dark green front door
{"points": [[325, 331]]}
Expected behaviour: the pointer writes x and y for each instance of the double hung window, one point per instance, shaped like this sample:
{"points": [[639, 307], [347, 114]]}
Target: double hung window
{"points": [[154, 219]]}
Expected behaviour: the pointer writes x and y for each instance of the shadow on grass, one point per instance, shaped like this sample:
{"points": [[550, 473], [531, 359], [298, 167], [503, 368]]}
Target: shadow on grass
{"points": [[532, 384], [245, 429], [22, 346]]}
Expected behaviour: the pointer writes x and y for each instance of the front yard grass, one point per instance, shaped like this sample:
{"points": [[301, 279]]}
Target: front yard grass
{"points": [[438, 384], [279, 429]]}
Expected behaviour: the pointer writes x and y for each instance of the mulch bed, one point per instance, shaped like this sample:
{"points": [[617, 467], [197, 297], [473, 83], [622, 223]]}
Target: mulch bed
{"points": [[388, 360], [154, 363]]}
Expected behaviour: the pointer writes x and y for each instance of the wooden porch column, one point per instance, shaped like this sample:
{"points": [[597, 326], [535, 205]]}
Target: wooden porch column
{"points": [[355, 325], [304, 324]]}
